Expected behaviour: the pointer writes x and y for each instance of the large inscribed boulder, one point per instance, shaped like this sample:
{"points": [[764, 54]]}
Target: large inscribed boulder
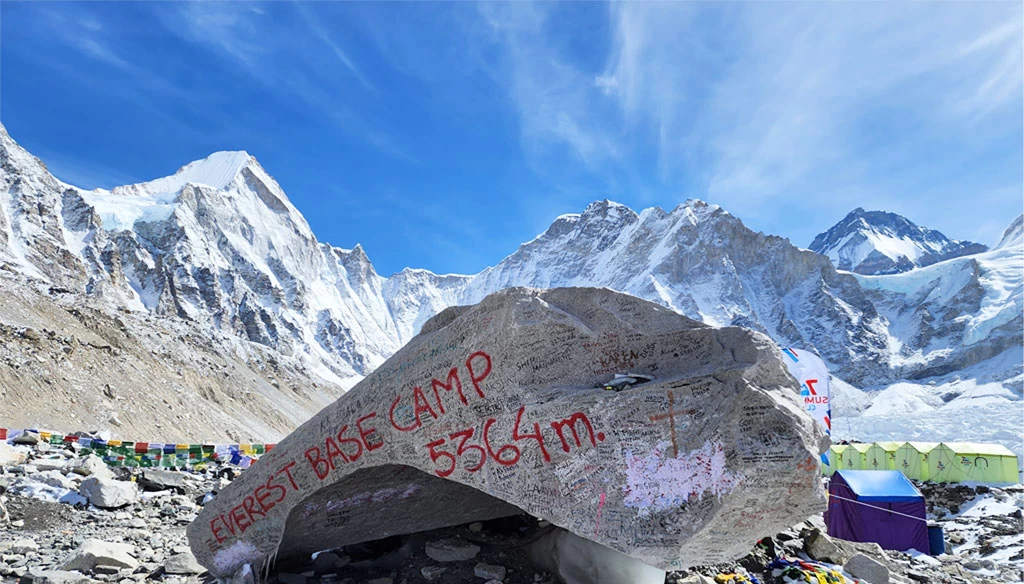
{"points": [[500, 408]]}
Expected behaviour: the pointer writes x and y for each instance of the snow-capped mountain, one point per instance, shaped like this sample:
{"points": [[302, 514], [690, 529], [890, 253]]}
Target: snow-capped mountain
{"points": [[219, 246], [877, 242]]}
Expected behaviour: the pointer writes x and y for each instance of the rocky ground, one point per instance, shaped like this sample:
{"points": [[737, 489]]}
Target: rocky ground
{"points": [[67, 518], [68, 362]]}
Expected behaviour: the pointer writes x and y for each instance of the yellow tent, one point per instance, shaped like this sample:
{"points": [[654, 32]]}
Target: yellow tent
{"points": [[881, 456], [954, 462], [835, 458], [911, 458], [853, 457]]}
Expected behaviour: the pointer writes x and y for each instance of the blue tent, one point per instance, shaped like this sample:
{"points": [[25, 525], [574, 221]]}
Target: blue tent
{"points": [[882, 506]]}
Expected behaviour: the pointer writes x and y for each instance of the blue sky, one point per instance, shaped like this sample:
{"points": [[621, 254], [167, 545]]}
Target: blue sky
{"points": [[442, 135]]}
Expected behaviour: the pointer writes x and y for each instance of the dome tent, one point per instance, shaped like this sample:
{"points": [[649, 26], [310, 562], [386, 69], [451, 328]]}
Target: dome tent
{"points": [[880, 506]]}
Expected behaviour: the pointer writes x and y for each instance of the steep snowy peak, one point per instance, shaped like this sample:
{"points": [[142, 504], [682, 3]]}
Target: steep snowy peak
{"points": [[155, 200], [878, 242], [215, 171], [1014, 234], [15, 159]]}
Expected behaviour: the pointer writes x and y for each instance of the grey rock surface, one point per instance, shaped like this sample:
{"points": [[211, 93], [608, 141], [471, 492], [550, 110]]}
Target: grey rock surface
{"points": [[820, 546], [432, 573], [92, 465], [24, 546], [183, 563], [451, 550], [867, 569], [10, 456], [108, 493], [94, 552], [56, 577], [495, 408], [490, 571], [576, 560], [154, 479]]}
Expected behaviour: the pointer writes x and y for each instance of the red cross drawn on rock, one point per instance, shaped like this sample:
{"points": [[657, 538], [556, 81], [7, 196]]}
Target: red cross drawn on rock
{"points": [[670, 415]]}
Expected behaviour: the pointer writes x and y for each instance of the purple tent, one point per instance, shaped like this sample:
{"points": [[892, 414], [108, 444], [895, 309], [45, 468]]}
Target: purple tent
{"points": [[882, 506]]}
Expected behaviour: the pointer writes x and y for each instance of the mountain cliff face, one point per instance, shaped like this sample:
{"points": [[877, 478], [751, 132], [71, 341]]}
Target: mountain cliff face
{"points": [[218, 247], [876, 242]]}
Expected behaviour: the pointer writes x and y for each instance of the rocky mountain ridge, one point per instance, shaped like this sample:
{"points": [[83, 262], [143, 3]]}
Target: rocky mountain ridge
{"points": [[218, 250], [877, 242]]}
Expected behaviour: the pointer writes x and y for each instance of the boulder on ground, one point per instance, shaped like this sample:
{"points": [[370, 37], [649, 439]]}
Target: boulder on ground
{"points": [[92, 465], [27, 438], [10, 456], [24, 546], [820, 546], [154, 479], [867, 569], [108, 493], [183, 563], [501, 408], [95, 552]]}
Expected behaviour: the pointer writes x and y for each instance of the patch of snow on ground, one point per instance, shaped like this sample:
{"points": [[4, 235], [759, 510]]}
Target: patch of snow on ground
{"points": [[984, 507], [44, 492]]}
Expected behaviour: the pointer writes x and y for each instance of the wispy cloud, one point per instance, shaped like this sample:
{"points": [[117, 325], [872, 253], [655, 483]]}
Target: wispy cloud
{"points": [[555, 100], [274, 50], [760, 106], [326, 38]]}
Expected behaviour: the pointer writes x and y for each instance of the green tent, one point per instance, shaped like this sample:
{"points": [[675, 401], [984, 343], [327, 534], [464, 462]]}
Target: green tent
{"points": [[853, 457], [912, 459], [954, 462], [835, 458], [881, 456]]}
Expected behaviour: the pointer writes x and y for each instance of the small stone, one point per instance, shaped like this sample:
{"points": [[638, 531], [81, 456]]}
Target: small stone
{"points": [[918, 576], [451, 550], [432, 573], [864, 568], [476, 527], [57, 577], [489, 571], [45, 464], [24, 546]]}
